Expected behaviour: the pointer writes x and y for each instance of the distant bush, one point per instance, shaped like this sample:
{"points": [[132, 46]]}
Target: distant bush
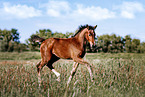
{"points": [[9, 41]]}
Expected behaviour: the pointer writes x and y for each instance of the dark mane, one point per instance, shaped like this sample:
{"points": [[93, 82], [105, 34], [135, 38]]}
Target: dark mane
{"points": [[83, 27]]}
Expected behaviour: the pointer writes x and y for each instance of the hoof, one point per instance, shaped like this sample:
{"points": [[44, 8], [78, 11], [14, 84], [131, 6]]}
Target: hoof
{"points": [[58, 79]]}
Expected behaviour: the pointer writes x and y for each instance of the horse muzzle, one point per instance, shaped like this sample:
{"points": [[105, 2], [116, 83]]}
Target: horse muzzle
{"points": [[92, 44]]}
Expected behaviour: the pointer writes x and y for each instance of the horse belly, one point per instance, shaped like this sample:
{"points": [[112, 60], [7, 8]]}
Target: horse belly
{"points": [[62, 52]]}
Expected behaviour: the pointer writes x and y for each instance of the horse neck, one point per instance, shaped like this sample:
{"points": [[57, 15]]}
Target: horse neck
{"points": [[81, 37]]}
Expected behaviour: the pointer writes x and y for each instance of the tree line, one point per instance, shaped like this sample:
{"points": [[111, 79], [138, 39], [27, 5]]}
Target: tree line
{"points": [[117, 44], [9, 42]]}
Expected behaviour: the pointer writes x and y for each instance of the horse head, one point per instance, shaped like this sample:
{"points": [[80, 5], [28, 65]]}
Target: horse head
{"points": [[90, 35]]}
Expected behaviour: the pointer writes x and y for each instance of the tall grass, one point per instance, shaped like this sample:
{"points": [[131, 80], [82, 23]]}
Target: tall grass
{"points": [[115, 75]]}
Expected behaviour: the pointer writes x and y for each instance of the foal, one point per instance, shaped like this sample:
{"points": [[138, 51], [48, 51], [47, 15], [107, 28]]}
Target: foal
{"points": [[53, 49]]}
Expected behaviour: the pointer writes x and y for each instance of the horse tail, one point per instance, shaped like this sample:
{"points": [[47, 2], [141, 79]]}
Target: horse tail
{"points": [[36, 38]]}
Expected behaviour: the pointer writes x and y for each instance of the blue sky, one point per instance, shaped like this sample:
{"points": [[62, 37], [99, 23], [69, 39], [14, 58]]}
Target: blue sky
{"points": [[122, 17]]}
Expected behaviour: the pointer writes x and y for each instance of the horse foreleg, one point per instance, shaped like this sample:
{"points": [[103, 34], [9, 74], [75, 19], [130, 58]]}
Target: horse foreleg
{"points": [[75, 66], [81, 61], [90, 71]]}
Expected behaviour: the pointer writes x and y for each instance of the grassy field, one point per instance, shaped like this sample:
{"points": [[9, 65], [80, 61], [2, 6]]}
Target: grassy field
{"points": [[115, 75]]}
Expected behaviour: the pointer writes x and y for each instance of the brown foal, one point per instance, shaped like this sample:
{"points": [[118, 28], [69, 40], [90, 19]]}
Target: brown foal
{"points": [[53, 49]]}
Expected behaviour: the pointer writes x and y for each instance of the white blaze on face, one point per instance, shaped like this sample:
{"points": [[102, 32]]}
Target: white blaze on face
{"points": [[91, 44]]}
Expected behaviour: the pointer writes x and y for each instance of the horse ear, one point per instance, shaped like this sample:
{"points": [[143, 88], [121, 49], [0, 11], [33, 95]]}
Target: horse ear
{"points": [[95, 27], [87, 26]]}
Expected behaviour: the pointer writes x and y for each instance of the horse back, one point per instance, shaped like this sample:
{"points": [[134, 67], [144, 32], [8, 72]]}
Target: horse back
{"points": [[62, 48]]}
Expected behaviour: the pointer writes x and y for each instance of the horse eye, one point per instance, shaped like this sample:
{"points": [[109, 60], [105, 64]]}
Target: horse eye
{"points": [[89, 34]]}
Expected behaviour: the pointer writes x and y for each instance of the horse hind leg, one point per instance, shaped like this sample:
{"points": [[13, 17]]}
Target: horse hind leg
{"points": [[54, 71], [57, 74], [49, 65], [39, 66]]}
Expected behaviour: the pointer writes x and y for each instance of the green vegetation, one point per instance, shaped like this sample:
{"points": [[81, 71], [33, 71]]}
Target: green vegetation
{"points": [[9, 42], [121, 74], [117, 44], [19, 56]]}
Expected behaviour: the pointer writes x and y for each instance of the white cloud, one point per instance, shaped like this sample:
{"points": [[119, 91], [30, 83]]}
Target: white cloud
{"points": [[129, 9], [62, 9], [56, 8], [19, 11], [92, 13]]}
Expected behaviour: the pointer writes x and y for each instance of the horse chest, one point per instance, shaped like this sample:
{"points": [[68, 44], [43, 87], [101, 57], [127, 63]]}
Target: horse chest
{"points": [[81, 50], [82, 53]]}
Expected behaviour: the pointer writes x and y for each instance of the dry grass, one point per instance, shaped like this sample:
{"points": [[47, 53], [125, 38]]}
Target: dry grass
{"points": [[115, 75]]}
